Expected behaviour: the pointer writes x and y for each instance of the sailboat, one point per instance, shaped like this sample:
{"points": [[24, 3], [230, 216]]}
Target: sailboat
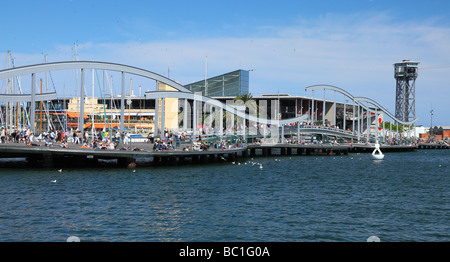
{"points": [[377, 154]]}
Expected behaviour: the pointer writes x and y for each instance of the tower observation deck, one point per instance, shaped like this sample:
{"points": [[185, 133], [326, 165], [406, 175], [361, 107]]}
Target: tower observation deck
{"points": [[405, 75]]}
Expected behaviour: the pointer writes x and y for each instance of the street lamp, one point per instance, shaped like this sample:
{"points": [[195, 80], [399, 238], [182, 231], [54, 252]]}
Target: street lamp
{"points": [[431, 124]]}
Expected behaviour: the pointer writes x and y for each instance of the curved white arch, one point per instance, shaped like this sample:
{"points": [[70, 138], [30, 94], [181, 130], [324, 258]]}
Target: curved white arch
{"points": [[339, 90], [217, 103], [384, 110], [330, 87], [66, 65], [358, 101], [13, 98]]}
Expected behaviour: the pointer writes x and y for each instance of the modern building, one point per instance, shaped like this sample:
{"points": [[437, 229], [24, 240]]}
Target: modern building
{"points": [[140, 112], [234, 83]]}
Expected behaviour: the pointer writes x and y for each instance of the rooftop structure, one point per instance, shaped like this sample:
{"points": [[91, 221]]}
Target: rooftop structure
{"points": [[234, 83]]}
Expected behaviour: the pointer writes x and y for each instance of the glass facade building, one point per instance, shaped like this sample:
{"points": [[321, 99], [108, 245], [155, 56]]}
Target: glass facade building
{"points": [[235, 83]]}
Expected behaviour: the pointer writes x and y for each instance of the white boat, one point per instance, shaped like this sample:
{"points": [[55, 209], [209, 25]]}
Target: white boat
{"points": [[377, 154]]}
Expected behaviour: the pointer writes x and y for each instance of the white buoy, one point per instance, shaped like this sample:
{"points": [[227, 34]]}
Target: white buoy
{"points": [[73, 239], [373, 239], [376, 154]]}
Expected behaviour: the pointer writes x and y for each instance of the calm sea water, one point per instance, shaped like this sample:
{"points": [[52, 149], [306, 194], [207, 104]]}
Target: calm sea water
{"points": [[405, 197]]}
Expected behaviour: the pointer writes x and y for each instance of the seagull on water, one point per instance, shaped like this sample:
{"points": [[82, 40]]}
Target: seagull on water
{"points": [[53, 181], [59, 170]]}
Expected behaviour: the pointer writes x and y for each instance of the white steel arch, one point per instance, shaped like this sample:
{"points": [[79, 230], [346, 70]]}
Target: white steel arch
{"points": [[358, 101], [67, 65]]}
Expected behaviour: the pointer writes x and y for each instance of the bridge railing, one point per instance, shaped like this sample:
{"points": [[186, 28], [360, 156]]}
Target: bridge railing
{"points": [[303, 127]]}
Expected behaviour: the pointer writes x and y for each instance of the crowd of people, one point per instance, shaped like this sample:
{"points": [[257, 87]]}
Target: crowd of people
{"points": [[101, 140], [17, 136], [105, 140]]}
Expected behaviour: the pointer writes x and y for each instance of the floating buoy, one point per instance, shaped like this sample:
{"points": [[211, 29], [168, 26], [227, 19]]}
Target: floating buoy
{"points": [[73, 239], [376, 154], [373, 239]]}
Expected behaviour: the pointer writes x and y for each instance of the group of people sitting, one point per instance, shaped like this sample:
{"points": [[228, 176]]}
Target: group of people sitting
{"points": [[197, 146], [98, 144], [162, 145]]}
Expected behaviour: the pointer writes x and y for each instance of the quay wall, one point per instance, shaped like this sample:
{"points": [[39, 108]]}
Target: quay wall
{"points": [[42, 156]]}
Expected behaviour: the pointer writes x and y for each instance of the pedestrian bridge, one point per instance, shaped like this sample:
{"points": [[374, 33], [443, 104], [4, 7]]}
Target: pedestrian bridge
{"points": [[322, 130], [183, 93]]}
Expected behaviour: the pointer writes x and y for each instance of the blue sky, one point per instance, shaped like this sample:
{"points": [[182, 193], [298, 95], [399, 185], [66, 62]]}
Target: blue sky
{"points": [[289, 44]]}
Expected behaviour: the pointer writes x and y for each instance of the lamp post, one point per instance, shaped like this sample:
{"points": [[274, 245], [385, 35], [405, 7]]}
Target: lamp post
{"points": [[431, 124]]}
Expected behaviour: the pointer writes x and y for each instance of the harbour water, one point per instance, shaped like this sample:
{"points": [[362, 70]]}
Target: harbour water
{"points": [[348, 198]]}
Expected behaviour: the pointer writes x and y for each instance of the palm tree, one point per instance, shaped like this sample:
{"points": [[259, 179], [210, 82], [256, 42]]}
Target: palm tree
{"points": [[250, 104], [244, 97]]}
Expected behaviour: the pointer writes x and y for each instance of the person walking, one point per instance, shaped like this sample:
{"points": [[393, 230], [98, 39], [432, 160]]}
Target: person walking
{"points": [[76, 139], [3, 135]]}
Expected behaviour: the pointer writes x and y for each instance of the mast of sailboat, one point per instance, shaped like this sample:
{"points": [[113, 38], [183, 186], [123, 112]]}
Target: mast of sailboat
{"points": [[25, 119], [140, 107], [77, 95], [9, 91], [65, 106], [129, 106], [103, 98], [111, 100], [47, 108], [40, 124], [206, 72], [92, 104]]}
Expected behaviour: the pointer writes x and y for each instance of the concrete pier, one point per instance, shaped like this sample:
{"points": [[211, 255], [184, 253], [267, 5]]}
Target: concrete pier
{"points": [[42, 156], [287, 149], [432, 146]]}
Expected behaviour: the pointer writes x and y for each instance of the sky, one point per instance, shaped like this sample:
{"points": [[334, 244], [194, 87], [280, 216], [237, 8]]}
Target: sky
{"points": [[287, 45]]}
